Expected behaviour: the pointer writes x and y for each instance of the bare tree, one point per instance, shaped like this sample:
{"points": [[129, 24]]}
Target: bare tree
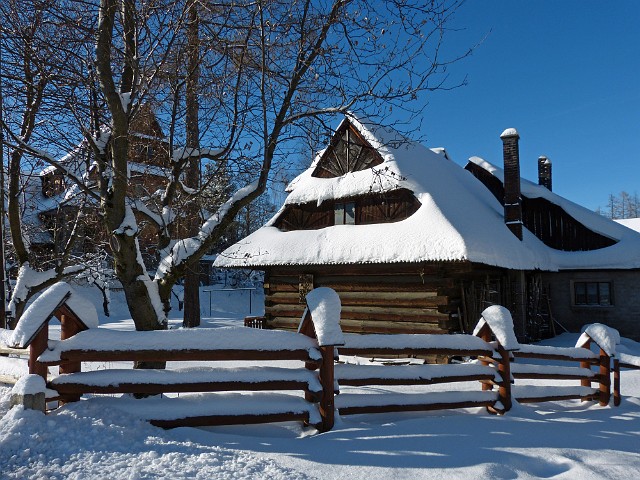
{"points": [[623, 205], [264, 72], [29, 78]]}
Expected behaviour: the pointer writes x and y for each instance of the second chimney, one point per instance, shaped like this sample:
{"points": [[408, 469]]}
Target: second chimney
{"points": [[544, 172], [512, 196]]}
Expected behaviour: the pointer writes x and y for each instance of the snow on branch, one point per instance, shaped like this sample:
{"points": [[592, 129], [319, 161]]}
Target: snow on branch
{"points": [[125, 100], [185, 248], [181, 154], [129, 226], [57, 165], [142, 207], [152, 287], [28, 279]]}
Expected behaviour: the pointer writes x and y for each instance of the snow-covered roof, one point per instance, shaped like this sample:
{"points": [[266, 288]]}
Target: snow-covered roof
{"points": [[43, 307], [459, 219], [632, 223], [625, 254]]}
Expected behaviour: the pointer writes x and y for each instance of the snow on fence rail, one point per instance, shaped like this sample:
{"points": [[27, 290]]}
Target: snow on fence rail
{"points": [[223, 395]]}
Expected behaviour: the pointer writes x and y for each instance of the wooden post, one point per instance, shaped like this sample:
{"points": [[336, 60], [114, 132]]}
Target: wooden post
{"points": [[605, 378], [37, 347], [306, 328], [586, 382], [327, 404], [485, 334], [504, 367], [68, 328], [616, 382]]}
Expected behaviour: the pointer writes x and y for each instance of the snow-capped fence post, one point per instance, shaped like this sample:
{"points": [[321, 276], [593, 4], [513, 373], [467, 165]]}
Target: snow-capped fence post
{"points": [[321, 320], [29, 392], [496, 321], [606, 338]]}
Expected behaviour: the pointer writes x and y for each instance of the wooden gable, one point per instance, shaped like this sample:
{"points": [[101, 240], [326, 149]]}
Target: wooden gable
{"points": [[546, 220], [347, 152]]}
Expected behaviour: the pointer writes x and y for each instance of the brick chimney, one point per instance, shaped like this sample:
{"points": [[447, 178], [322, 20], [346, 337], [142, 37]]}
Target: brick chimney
{"points": [[544, 172], [512, 197]]}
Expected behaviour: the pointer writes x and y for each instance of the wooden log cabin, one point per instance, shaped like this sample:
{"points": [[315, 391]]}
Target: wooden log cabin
{"points": [[413, 243]]}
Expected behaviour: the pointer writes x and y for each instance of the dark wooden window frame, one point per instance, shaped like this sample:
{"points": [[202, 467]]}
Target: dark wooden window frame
{"points": [[388, 207], [580, 293]]}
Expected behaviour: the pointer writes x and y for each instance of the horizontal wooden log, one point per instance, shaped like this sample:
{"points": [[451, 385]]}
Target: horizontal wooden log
{"points": [[283, 323], [354, 410], [551, 376], [218, 420], [158, 388], [180, 355], [629, 365], [371, 299], [363, 326], [276, 286], [373, 326], [358, 382], [4, 350], [555, 398], [366, 313], [363, 284], [449, 352], [545, 356], [419, 270]]}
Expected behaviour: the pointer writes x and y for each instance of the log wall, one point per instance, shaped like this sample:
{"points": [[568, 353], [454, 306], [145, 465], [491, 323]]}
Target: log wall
{"points": [[407, 298]]}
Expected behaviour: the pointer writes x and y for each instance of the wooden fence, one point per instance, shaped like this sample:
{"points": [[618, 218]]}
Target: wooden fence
{"points": [[623, 360], [490, 358]]}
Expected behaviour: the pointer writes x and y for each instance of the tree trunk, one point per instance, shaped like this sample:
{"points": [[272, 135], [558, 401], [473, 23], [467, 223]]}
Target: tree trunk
{"points": [[138, 287], [192, 274], [192, 296]]}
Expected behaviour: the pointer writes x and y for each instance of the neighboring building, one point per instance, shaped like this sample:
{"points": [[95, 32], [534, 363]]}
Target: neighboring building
{"points": [[414, 243], [52, 201]]}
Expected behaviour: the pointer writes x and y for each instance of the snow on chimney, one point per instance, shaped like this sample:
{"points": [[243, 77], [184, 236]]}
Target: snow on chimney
{"points": [[544, 172], [512, 197]]}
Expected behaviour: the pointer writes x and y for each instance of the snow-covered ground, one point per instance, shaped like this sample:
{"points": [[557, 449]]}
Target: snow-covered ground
{"points": [[563, 440]]}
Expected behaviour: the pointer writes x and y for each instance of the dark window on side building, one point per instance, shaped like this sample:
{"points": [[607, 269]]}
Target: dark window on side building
{"points": [[592, 294]]}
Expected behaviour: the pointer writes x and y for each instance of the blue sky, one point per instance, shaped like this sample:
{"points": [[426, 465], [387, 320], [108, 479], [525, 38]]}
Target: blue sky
{"points": [[565, 74]]}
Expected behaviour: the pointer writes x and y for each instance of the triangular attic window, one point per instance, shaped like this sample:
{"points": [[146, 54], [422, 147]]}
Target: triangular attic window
{"points": [[347, 152]]}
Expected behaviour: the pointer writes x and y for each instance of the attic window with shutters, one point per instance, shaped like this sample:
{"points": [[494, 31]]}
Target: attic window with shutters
{"points": [[347, 152], [385, 207]]}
